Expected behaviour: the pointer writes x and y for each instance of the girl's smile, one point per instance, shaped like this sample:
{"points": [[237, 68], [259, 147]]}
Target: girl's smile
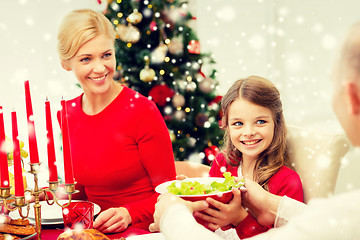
{"points": [[251, 142], [251, 128]]}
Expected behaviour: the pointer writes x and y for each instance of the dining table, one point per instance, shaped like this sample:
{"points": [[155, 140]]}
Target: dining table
{"points": [[52, 232]]}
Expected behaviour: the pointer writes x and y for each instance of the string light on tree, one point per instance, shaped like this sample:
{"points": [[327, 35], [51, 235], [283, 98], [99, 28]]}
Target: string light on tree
{"points": [[162, 32]]}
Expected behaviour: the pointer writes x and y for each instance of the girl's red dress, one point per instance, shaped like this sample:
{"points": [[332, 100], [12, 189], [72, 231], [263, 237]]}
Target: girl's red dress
{"points": [[283, 182]]}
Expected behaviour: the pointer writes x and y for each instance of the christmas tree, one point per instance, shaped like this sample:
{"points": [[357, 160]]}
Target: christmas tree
{"points": [[158, 54]]}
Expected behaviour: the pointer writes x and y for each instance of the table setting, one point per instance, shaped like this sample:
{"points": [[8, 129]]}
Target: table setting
{"points": [[40, 212], [17, 203], [43, 215]]}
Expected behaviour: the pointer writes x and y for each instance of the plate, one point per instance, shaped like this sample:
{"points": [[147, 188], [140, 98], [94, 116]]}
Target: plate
{"points": [[50, 214], [150, 236], [13, 235], [223, 197], [29, 237]]}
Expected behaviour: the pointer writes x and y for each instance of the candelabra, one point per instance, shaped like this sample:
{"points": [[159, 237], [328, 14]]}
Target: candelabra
{"points": [[12, 203]]}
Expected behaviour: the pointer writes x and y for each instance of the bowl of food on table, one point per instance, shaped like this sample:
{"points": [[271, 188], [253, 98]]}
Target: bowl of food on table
{"points": [[200, 188]]}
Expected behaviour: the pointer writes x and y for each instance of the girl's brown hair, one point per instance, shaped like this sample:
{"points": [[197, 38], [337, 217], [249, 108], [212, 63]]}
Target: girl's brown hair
{"points": [[262, 92]]}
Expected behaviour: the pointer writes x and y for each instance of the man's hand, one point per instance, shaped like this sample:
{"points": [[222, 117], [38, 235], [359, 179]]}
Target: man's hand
{"points": [[168, 199]]}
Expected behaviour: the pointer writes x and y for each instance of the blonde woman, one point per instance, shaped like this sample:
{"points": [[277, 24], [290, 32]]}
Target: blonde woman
{"points": [[120, 145]]}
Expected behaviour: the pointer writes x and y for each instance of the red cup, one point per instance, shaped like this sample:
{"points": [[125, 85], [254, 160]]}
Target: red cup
{"points": [[78, 215]]}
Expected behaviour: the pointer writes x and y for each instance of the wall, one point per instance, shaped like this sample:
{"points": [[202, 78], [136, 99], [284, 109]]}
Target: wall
{"points": [[28, 30], [294, 44]]}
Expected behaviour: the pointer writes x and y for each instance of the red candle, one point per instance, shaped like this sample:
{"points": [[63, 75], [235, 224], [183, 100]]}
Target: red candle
{"points": [[19, 184], [34, 155], [69, 175], [53, 176], [4, 173]]}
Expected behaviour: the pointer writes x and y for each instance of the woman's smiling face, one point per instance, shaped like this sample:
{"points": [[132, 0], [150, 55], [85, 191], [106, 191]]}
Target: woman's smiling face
{"points": [[251, 127], [94, 65]]}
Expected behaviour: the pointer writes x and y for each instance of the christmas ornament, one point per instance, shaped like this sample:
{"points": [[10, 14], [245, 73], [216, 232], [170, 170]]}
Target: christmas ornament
{"points": [[216, 100], [207, 85], [173, 15], [176, 47], [135, 17], [181, 84], [114, 6], [153, 26], [199, 76], [159, 54], [190, 87], [168, 110], [211, 153], [178, 100], [215, 104], [180, 115], [191, 142], [172, 136], [147, 74], [194, 47], [161, 94], [201, 119], [128, 33], [195, 66]]}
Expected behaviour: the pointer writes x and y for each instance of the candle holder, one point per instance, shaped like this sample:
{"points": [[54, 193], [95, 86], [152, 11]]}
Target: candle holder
{"points": [[12, 203]]}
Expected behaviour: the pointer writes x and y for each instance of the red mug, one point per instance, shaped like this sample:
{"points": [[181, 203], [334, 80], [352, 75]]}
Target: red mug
{"points": [[78, 215]]}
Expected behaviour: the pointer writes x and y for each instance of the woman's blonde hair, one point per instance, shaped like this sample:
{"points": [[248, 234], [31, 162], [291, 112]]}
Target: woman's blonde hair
{"points": [[78, 27], [262, 92]]}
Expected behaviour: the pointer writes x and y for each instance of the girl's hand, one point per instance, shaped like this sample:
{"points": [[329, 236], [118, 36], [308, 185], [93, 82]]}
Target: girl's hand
{"points": [[224, 214], [181, 177], [260, 203], [113, 220]]}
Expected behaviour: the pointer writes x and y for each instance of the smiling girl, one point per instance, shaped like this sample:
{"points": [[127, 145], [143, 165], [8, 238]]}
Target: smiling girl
{"points": [[254, 148]]}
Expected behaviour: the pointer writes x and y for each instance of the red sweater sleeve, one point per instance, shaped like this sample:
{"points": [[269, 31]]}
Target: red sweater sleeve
{"points": [[155, 152], [284, 182]]}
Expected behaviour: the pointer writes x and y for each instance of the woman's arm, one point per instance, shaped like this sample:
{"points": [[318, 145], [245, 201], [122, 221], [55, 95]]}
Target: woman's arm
{"points": [[156, 154]]}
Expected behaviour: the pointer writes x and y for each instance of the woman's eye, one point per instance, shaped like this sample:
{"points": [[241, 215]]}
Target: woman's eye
{"points": [[85, 59], [106, 55], [260, 122]]}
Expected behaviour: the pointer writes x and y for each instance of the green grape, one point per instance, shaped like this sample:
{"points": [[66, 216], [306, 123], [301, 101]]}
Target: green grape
{"points": [[9, 149], [23, 153]]}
